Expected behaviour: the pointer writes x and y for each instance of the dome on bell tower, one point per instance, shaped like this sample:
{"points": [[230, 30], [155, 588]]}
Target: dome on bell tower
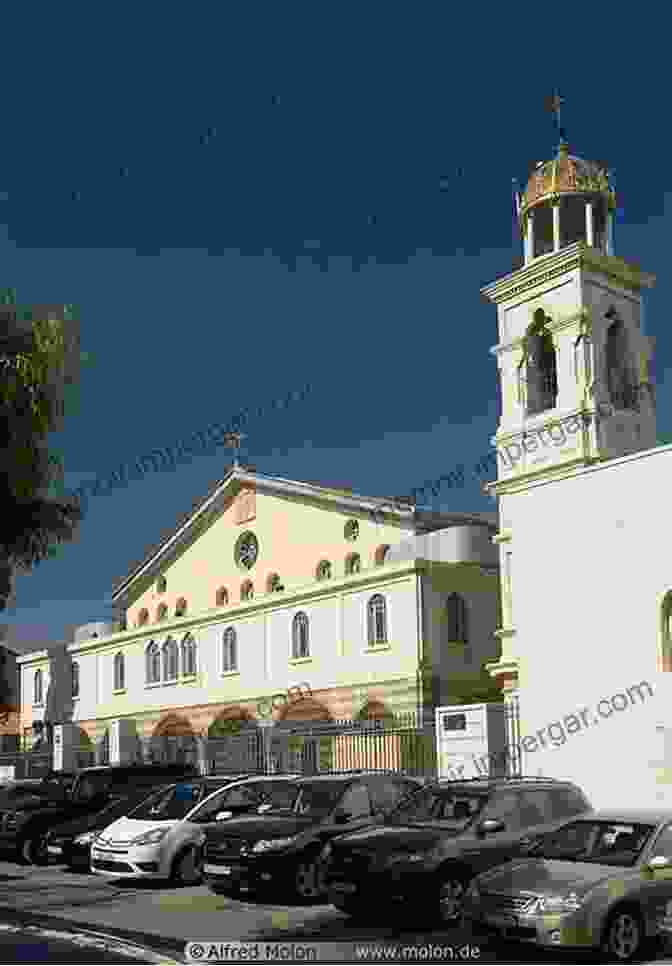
{"points": [[566, 200]]}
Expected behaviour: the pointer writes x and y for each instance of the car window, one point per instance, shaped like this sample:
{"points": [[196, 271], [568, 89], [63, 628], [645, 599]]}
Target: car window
{"points": [[567, 802], [317, 799], [279, 795], [385, 793], [92, 786], [663, 844], [172, 804], [536, 807], [356, 801], [504, 807]]}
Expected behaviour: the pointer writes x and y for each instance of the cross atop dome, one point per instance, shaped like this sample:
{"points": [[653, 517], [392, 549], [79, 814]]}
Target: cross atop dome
{"points": [[566, 200]]}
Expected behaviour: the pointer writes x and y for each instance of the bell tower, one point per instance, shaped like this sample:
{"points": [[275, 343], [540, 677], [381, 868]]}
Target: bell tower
{"points": [[572, 354]]}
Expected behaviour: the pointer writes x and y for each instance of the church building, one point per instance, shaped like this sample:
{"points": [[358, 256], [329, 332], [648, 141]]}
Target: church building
{"points": [[582, 489]]}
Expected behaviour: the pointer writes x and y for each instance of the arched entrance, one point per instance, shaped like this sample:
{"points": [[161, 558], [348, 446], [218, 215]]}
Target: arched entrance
{"points": [[302, 738], [173, 740], [235, 743]]}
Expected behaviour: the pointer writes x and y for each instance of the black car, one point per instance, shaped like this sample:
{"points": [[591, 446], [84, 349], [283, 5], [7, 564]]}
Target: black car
{"points": [[70, 843], [281, 850], [421, 861], [24, 825]]}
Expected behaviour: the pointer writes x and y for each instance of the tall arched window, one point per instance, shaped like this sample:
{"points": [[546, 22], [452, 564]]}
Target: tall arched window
{"points": [[323, 570], [300, 641], [377, 620], [540, 366], [119, 672], [181, 607], [620, 378], [169, 660], [222, 597], [353, 563], [666, 633], [153, 663], [456, 612], [75, 679], [229, 651], [188, 655], [247, 590], [38, 688]]}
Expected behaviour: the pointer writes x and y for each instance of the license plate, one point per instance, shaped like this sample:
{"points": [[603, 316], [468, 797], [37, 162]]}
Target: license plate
{"points": [[217, 869], [348, 887], [54, 850]]}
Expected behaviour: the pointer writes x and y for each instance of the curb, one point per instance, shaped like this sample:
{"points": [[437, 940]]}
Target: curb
{"points": [[162, 950]]}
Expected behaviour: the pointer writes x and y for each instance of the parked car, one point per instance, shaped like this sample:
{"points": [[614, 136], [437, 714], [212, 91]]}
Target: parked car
{"points": [[163, 838], [70, 843], [423, 858], [24, 826], [281, 850], [604, 880]]}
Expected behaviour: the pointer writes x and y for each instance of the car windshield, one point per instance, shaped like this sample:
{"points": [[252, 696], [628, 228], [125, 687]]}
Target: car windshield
{"points": [[455, 806], [604, 843], [317, 799], [173, 803], [279, 797]]}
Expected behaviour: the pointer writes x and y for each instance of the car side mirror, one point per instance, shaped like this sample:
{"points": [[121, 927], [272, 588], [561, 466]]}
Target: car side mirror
{"points": [[491, 825], [341, 817], [222, 816]]}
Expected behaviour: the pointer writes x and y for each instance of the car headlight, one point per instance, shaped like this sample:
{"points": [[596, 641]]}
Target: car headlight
{"points": [[266, 845], [86, 839], [406, 857], [151, 837], [567, 903], [325, 854]]}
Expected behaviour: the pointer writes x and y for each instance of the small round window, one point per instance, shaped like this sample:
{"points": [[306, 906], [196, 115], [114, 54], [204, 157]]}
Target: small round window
{"points": [[247, 550]]}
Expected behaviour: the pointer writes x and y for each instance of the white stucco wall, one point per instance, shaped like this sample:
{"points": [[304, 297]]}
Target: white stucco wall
{"points": [[591, 562]]}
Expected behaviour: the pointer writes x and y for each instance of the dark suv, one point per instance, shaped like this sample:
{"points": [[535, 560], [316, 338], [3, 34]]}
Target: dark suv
{"points": [[281, 850], [24, 827], [437, 840]]}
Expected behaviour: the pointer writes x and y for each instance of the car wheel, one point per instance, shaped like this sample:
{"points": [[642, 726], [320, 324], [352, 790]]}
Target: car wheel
{"points": [[452, 887], [188, 867], [624, 935], [309, 879], [33, 849]]}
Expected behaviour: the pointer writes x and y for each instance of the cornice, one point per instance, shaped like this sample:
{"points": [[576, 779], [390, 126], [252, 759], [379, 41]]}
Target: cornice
{"points": [[550, 266]]}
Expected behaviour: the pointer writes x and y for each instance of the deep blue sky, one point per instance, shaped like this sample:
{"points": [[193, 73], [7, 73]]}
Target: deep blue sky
{"points": [[307, 239]]}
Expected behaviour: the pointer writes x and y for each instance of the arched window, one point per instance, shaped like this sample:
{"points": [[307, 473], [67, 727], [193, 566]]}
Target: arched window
{"points": [[222, 597], [38, 688], [382, 553], [300, 641], [273, 583], [620, 379], [181, 607], [377, 620], [143, 617], [75, 679], [169, 650], [153, 663], [162, 612], [247, 590], [229, 651], [119, 672], [323, 571], [353, 563], [540, 366], [666, 633], [188, 655], [456, 612]]}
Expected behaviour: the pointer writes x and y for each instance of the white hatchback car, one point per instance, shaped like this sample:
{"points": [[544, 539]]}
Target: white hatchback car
{"points": [[163, 837]]}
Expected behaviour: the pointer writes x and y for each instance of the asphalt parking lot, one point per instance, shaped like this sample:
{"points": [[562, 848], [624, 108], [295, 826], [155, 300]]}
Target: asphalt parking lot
{"points": [[166, 918]]}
